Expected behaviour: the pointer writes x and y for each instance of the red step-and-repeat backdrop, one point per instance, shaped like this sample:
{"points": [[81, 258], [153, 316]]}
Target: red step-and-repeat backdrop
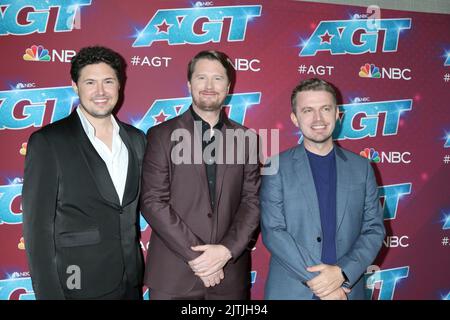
{"points": [[392, 69]]}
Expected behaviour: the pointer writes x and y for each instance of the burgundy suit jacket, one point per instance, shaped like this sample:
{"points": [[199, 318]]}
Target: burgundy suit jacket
{"points": [[175, 202]]}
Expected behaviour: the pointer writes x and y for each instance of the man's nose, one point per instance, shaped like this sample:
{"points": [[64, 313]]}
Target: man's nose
{"points": [[100, 88], [209, 83], [318, 115]]}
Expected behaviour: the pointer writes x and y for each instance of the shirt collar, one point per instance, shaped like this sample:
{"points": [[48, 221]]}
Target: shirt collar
{"points": [[89, 128], [205, 125]]}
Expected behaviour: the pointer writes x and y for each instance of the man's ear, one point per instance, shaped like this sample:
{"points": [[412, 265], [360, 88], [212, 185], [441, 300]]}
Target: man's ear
{"points": [[189, 86], [294, 119], [75, 87]]}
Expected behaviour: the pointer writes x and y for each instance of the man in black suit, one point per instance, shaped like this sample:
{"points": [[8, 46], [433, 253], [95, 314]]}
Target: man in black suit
{"points": [[81, 191]]}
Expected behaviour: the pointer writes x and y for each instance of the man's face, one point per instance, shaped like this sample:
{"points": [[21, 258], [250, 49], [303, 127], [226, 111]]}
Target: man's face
{"points": [[316, 115], [209, 85], [98, 89]]}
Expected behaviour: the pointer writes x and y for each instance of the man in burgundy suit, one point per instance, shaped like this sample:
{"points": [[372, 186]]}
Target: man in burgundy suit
{"points": [[200, 193]]}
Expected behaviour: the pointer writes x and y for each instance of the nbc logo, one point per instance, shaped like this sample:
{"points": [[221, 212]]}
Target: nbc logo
{"points": [[386, 157], [39, 53], [36, 53], [369, 71], [21, 244], [370, 154], [23, 149]]}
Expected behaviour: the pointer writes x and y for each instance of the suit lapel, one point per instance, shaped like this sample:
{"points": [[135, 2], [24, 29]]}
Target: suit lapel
{"points": [[343, 173], [94, 162], [306, 185], [132, 182], [221, 150]]}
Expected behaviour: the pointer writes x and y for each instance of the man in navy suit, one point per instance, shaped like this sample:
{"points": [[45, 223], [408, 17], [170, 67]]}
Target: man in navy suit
{"points": [[321, 217]]}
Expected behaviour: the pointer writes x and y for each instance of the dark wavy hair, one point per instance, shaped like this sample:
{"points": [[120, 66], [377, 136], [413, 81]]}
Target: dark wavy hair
{"points": [[212, 55], [94, 55]]}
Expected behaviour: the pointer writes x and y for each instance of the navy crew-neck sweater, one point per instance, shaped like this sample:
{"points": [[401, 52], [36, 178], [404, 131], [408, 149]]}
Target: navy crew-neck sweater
{"points": [[324, 174]]}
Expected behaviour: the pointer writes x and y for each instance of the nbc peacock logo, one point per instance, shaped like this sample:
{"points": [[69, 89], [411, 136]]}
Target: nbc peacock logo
{"points": [[370, 154], [369, 70], [36, 53]]}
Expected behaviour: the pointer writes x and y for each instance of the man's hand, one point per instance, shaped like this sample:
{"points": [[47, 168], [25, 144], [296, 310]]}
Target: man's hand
{"points": [[212, 280], [329, 279], [213, 259], [338, 294]]}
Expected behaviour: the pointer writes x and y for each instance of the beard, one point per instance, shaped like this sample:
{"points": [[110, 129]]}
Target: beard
{"points": [[207, 104]]}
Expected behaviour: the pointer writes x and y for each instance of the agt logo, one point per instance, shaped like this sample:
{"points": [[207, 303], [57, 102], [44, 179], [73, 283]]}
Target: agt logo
{"points": [[8, 195], [386, 157], [384, 280], [345, 36], [21, 287], [166, 109], [369, 70], [361, 120], [143, 225], [446, 222], [447, 140], [390, 196], [198, 25], [39, 53], [447, 59], [36, 19], [21, 109]]}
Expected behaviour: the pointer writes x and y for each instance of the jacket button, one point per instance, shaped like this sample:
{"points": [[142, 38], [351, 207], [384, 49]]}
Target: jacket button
{"points": [[319, 239], [209, 215]]}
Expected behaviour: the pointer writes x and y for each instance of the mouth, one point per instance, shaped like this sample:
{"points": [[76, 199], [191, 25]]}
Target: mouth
{"points": [[318, 127], [208, 93], [100, 100]]}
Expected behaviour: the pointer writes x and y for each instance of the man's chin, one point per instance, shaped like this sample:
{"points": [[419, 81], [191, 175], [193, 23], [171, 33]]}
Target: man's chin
{"points": [[320, 140], [209, 107], [102, 115]]}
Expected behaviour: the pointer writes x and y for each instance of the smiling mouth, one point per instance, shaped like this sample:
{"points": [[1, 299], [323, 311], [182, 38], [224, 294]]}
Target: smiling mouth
{"points": [[100, 100], [208, 93]]}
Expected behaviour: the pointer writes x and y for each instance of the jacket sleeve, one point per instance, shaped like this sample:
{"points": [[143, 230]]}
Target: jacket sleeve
{"points": [[39, 199], [281, 244], [370, 239], [246, 220], [155, 206]]}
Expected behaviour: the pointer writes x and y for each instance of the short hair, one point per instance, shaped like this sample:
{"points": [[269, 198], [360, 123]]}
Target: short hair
{"points": [[221, 57], [97, 54], [312, 84]]}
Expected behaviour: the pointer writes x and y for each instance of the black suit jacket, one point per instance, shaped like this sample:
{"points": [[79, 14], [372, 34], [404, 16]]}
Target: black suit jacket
{"points": [[72, 215]]}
